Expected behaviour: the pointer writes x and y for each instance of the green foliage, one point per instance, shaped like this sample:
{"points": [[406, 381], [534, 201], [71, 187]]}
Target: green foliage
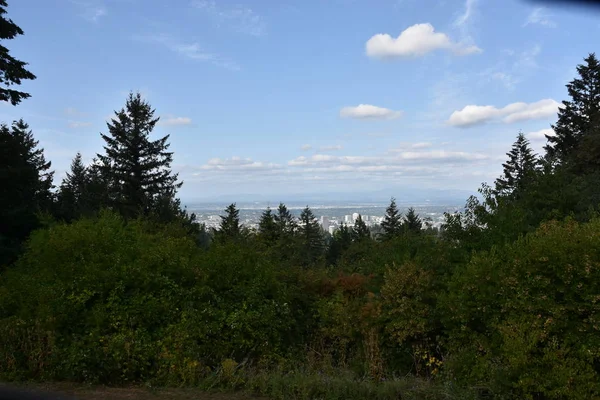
{"points": [[525, 317], [360, 231], [138, 169], [392, 223], [267, 227], [519, 170], [13, 71], [108, 301], [412, 223], [26, 182], [575, 143], [311, 238]]}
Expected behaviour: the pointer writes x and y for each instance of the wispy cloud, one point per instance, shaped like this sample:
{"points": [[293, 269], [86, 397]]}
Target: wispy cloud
{"points": [[464, 18], [306, 147], [239, 18], [367, 111], [91, 10], [539, 16], [190, 50], [170, 120], [415, 41], [79, 124], [331, 148], [73, 112], [511, 73]]}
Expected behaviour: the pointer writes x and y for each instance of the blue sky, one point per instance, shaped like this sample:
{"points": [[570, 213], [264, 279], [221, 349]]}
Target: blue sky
{"points": [[278, 97]]}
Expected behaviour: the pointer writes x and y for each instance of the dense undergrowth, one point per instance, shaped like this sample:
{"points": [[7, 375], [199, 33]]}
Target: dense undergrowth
{"points": [[105, 301]]}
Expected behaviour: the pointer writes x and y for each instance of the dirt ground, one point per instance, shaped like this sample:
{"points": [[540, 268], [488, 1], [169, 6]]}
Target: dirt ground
{"points": [[70, 391]]}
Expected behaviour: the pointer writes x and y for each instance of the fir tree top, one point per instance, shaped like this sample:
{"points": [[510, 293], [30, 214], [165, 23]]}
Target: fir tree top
{"points": [[392, 222]]}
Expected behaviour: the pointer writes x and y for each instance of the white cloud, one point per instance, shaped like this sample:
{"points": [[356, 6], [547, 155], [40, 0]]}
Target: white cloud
{"points": [[540, 135], [174, 121], [474, 115], [239, 18], [237, 164], [421, 145], [539, 16], [79, 124], [191, 50], [331, 148], [430, 167], [403, 158], [306, 147], [415, 41], [367, 111]]}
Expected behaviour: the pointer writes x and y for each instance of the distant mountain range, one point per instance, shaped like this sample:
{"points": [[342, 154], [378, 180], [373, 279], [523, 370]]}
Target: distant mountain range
{"points": [[406, 196]]}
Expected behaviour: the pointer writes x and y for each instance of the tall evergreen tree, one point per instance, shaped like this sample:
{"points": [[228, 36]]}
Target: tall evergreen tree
{"points": [[73, 196], [412, 222], [139, 169], [340, 242], [26, 181], [576, 130], [267, 227], [311, 237], [360, 231], [392, 222], [99, 186], [12, 71], [230, 228], [287, 227], [286, 224], [519, 170]]}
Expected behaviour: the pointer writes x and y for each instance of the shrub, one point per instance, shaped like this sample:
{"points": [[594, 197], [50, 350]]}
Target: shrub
{"points": [[106, 301], [526, 319]]}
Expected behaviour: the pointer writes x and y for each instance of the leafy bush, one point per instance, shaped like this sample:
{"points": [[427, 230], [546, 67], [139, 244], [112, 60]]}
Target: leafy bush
{"points": [[102, 300], [525, 319]]}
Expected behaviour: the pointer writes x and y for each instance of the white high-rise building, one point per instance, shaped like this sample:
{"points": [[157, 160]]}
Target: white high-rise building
{"points": [[354, 217], [332, 229], [325, 223], [347, 218]]}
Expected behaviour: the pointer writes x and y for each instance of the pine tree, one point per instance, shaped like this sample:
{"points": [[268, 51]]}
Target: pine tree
{"points": [[26, 181], [311, 237], [99, 186], [139, 170], [360, 231], [35, 157], [12, 71], [230, 228], [392, 222], [286, 224], [578, 120], [519, 170], [412, 222], [340, 242], [267, 227], [73, 197]]}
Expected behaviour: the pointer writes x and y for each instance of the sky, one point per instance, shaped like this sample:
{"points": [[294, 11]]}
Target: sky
{"points": [[279, 97]]}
